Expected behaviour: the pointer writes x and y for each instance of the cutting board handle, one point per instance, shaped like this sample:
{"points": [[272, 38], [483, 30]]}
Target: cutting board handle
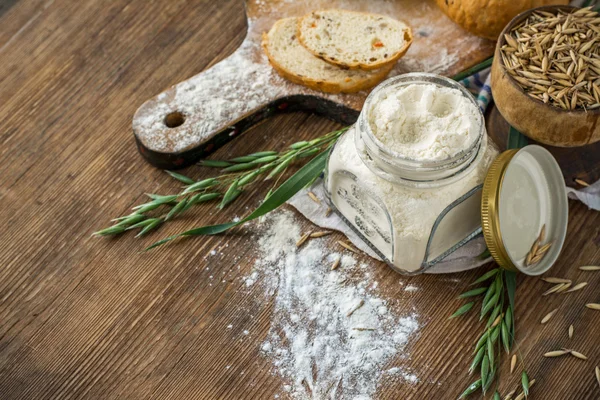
{"points": [[192, 118]]}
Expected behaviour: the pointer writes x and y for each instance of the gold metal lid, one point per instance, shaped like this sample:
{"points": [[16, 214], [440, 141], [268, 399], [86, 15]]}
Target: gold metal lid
{"points": [[523, 191], [490, 205]]}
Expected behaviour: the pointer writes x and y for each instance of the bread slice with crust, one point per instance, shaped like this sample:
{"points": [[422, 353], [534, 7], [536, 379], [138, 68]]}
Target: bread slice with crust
{"points": [[292, 61], [354, 39]]}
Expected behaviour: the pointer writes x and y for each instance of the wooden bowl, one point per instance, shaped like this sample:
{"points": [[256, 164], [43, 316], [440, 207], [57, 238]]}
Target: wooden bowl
{"points": [[539, 121]]}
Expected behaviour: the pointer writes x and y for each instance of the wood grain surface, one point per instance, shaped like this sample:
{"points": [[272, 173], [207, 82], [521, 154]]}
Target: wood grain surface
{"points": [[82, 317]]}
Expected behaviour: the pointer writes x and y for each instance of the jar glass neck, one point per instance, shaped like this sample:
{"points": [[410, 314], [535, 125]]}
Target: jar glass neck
{"points": [[391, 166]]}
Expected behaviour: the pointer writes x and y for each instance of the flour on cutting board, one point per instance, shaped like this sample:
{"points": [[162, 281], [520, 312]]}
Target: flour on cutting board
{"points": [[244, 82], [331, 333]]}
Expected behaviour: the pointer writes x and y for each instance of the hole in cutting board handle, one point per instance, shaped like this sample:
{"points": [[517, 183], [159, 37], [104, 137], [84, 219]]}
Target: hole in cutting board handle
{"points": [[174, 119]]}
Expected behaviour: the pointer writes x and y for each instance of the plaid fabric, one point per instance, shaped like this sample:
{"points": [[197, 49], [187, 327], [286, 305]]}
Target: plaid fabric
{"points": [[479, 85]]}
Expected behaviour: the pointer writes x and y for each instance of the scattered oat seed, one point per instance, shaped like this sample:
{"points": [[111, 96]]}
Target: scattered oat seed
{"points": [[579, 286], [314, 197], [556, 353], [320, 234], [590, 268], [360, 304], [303, 239], [348, 247], [549, 315], [513, 363], [336, 264], [571, 329]]}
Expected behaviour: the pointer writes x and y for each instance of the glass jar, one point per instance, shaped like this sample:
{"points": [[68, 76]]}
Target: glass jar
{"points": [[412, 213]]}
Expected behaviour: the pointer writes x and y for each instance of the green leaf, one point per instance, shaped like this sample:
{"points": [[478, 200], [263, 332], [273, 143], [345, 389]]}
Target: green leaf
{"points": [[505, 337], [484, 254], [474, 292], [496, 396], [477, 359], [465, 308], [285, 192], [525, 383], [471, 389], [181, 178], [485, 369], [516, 139], [214, 163], [490, 274], [510, 278]]}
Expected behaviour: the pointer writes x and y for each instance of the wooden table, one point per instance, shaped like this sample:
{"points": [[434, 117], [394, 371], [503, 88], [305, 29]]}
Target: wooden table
{"points": [[82, 317]]}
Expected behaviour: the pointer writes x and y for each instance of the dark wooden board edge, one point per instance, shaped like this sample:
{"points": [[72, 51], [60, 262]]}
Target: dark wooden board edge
{"points": [[306, 103]]}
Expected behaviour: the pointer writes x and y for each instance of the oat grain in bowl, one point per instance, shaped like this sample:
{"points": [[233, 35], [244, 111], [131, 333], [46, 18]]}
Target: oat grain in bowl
{"points": [[555, 57]]}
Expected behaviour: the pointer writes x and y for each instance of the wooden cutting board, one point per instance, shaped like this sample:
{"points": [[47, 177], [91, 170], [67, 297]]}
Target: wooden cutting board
{"points": [[189, 120]]}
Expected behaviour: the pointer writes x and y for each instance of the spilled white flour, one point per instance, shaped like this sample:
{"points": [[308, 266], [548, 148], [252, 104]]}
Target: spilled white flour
{"points": [[331, 334]]}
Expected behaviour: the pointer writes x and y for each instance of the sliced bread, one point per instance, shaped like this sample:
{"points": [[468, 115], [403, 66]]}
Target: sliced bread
{"points": [[354, 39], [292, 61]]}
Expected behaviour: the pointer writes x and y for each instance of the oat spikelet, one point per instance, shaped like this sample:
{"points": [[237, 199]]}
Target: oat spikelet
{"points": [[549, 315], [328, 212], [577, 287], [593, 306], [590, 268], [598, 375], [513, 363]]}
